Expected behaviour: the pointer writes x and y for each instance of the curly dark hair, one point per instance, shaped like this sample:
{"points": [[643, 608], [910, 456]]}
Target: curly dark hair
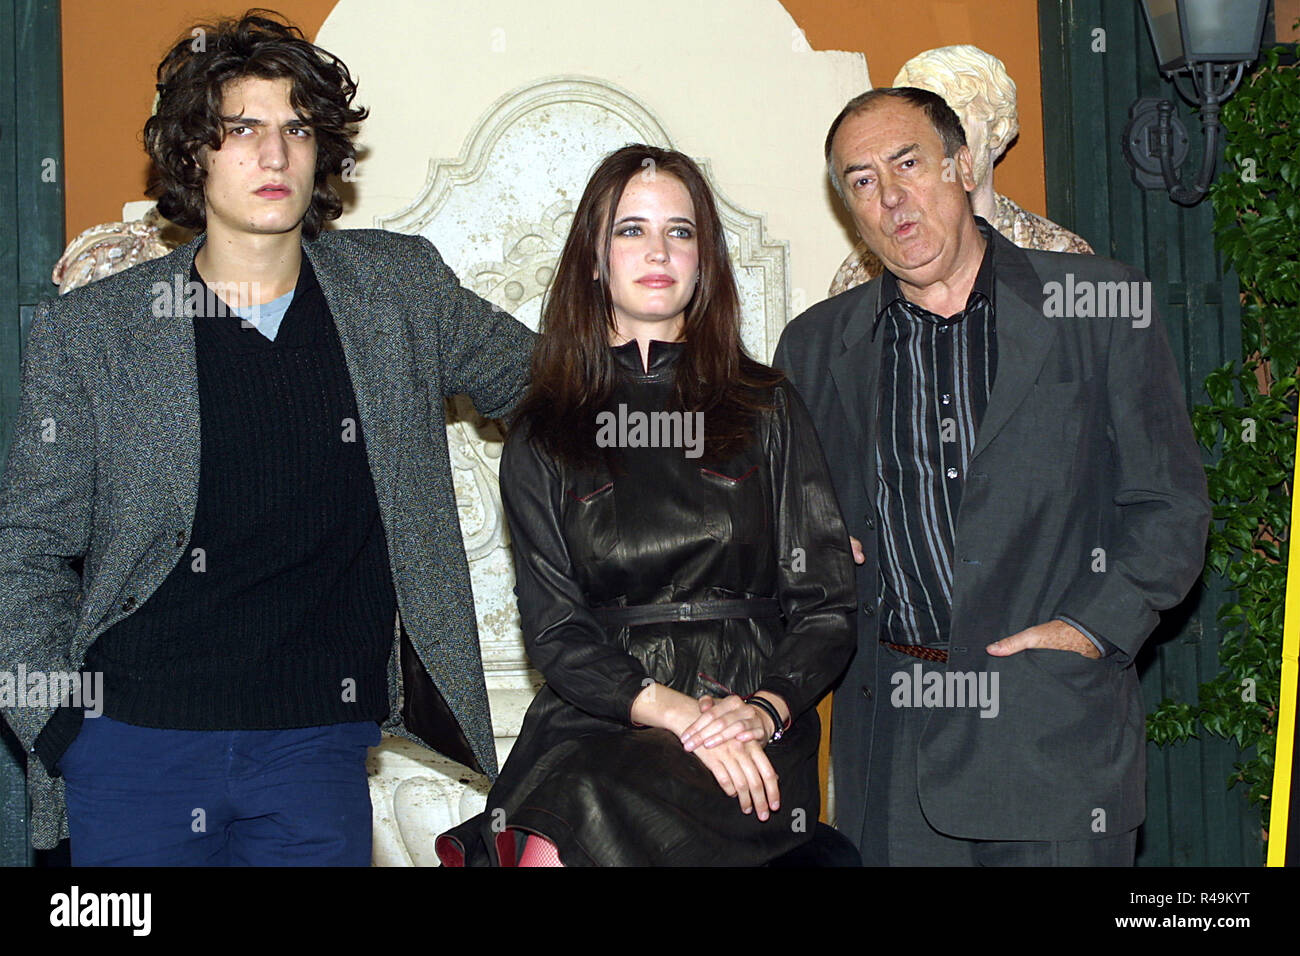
{"points": [[191, 80]]}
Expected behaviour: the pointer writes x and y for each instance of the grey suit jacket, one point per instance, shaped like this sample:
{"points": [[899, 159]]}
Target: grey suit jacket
{"points": [[115, 387], [1085, 445]]}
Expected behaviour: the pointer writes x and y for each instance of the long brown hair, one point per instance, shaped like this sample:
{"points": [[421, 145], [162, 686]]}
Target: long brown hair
{"points": [[574, 374]]}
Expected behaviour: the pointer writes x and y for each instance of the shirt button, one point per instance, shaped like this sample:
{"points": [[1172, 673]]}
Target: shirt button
{"points": [[871, 524], [952, 472], [129, 603], [869, 608], [180, 539], [947, 399], [866, 692]]}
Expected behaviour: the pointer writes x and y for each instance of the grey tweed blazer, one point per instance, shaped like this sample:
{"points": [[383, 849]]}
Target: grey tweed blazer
{"points": [[116, 389]]}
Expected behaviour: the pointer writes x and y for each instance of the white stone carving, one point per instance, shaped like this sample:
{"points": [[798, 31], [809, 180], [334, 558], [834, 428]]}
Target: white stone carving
{"points": [[500, 213]]}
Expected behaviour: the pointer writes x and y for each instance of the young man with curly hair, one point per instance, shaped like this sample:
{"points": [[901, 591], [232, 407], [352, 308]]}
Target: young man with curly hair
{"points": [[243, 442]]}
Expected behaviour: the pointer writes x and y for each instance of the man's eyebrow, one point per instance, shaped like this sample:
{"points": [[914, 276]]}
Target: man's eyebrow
{"points": [[254, 121], [903, 152]]}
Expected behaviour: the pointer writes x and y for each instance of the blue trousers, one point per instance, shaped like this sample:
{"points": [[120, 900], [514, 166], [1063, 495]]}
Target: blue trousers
{"points": [[140, 796]]}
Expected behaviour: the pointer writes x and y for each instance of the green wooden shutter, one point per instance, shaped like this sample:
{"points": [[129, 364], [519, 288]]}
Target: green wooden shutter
{"points": [[1089, 80], [31, 241]]}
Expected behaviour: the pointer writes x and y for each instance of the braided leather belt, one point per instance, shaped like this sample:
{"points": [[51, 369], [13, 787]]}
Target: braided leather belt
{"points": [[687, 611], [937, 654]]}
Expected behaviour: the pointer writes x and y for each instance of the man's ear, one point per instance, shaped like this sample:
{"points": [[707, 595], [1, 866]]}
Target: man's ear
{"points": [[966, 167]]}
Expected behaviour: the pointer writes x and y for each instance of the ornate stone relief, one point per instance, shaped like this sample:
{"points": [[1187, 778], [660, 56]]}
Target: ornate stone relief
{"points": [[499, 214]]}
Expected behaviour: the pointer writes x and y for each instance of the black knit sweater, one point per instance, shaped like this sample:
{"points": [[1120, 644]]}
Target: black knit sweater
{"points": [[280, 613]]}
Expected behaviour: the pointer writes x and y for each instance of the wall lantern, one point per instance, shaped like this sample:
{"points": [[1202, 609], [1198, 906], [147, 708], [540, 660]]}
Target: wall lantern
{"points": [[1212, 42]]}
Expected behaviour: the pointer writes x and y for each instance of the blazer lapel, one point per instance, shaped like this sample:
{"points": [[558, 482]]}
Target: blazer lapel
{"points": [[163, 377], [1024, 337], [855, 372], [369, 327]]}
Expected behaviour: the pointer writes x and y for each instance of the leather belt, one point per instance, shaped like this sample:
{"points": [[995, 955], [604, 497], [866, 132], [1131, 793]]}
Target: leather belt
{"points": [[687, 611], [937, 654]]}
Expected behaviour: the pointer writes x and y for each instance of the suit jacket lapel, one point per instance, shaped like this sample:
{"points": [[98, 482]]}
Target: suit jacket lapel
{"points": [[163, 377], [855, 372], [1024, 337], [369, 326]]}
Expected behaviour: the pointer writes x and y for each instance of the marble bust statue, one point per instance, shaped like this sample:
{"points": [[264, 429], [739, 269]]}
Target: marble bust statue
{"points": [[976, 85]]}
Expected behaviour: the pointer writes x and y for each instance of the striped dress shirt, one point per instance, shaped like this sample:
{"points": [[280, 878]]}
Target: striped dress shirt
{"points": [[936, 376]]}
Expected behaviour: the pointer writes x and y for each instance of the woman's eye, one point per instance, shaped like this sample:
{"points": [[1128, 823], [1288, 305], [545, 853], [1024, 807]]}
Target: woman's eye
{"points": [[682, 232], [629, 231]]}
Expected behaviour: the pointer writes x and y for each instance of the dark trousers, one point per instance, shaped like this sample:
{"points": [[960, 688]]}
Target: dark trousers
{"points": [[140, 796], [896, 832]]}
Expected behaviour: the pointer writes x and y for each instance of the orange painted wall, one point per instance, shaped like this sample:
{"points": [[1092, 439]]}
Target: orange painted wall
{"points": [[890, 34], [111, 50], [1285, 15]]}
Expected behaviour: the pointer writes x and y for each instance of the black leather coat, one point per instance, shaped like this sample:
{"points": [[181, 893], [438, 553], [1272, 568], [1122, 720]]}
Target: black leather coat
{"points": [[665, 528]]}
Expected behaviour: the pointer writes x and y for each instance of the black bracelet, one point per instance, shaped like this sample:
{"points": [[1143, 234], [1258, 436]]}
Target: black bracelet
{"points": [[765, 705]]}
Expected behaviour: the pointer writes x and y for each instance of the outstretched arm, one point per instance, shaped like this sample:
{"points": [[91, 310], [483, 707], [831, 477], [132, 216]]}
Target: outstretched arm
{"points": [[483, 351]]}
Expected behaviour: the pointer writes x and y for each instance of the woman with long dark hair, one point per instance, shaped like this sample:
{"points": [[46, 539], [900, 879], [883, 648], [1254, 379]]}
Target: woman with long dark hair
{"points": [[684, 577]]}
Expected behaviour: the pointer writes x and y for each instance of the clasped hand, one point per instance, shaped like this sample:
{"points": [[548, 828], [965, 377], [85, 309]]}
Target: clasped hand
{"points": [[727, 735]]}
